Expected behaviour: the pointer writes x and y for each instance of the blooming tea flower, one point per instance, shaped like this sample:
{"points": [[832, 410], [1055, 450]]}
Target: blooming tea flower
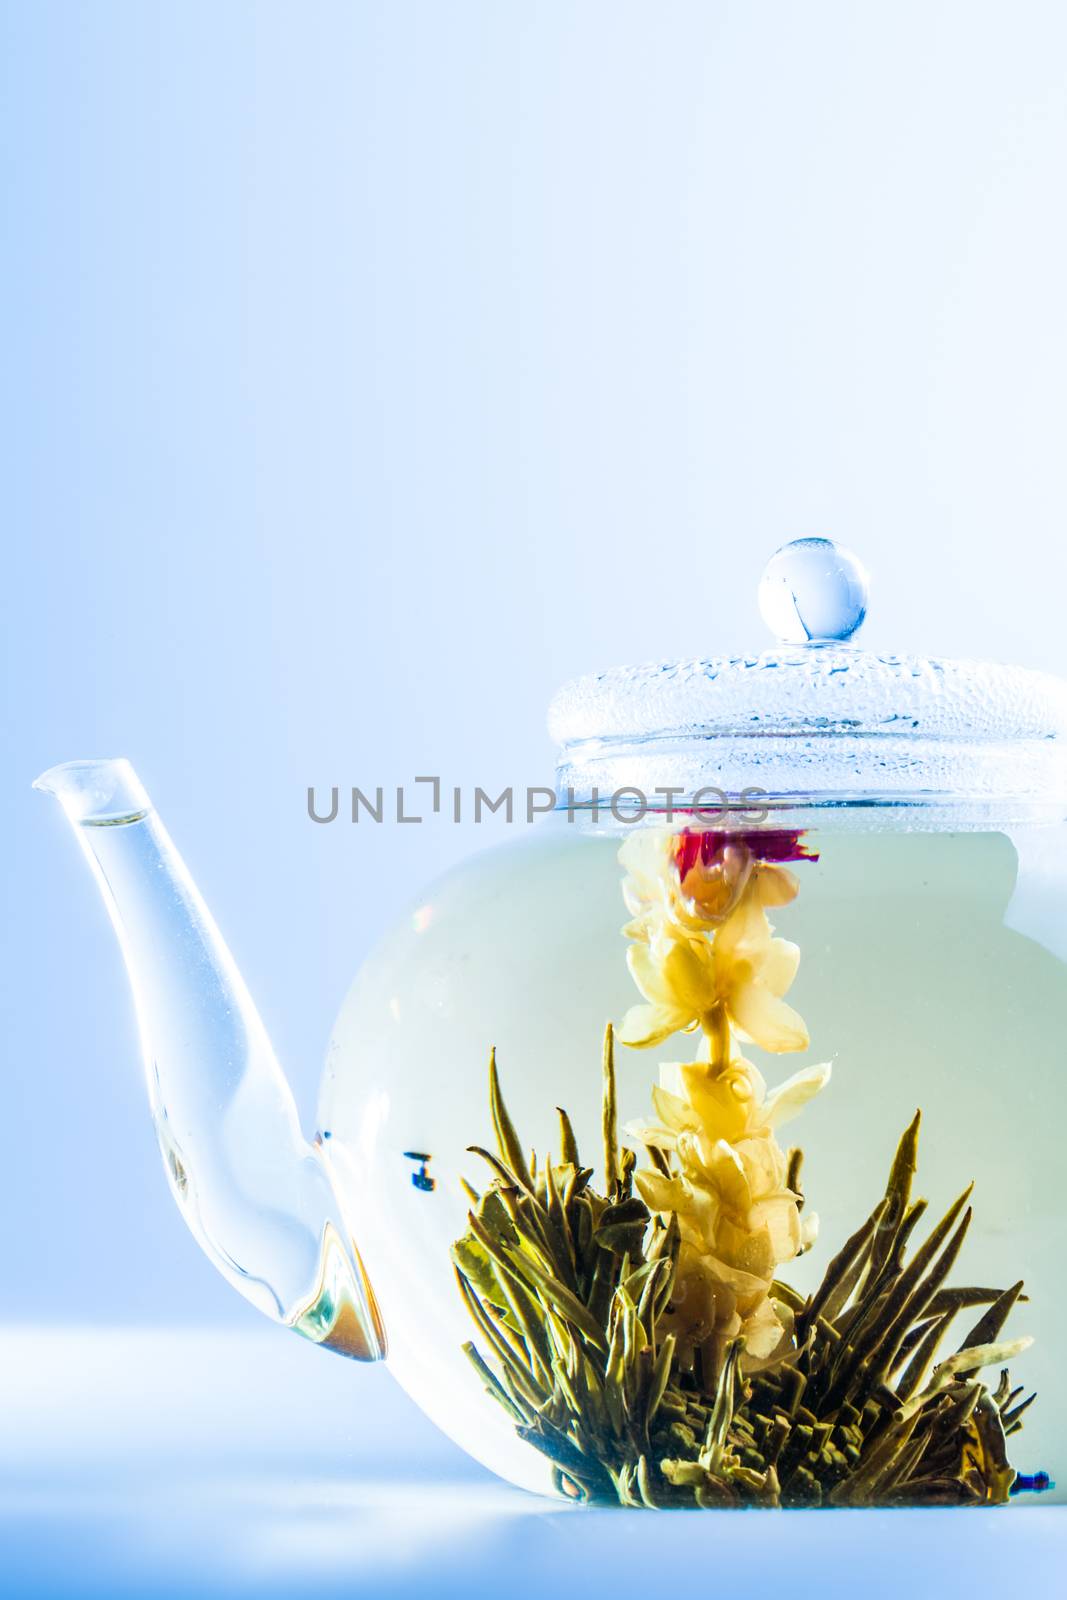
{"points": [[704, 955], [728, 1188], [743, 972]]}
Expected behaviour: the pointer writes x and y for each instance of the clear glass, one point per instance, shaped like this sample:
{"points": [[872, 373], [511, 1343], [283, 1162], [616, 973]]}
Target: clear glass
{"points": [[931, 976], [646, 1311], [699, 1162], [254, 1192]]}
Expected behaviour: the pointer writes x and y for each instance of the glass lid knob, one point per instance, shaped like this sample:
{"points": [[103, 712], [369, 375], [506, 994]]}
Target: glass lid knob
{"points": [[813, 590]]}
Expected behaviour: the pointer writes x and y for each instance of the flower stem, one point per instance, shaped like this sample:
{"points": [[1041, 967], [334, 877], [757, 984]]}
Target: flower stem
{"points": [[716, 1026]]}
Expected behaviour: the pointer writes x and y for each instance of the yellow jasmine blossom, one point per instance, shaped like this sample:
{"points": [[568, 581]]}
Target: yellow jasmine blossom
{"points": [[755, 970], [742, 972], [693, 881], [653, 887], [729, 1102], [728, 1188], [705, 956]]}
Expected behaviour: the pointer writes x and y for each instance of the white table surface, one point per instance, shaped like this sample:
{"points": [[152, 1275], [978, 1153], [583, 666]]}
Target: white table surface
{"points": [[188, 1462]]}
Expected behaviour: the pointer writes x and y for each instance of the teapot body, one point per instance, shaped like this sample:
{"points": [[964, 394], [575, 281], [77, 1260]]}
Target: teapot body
{"points": [[927, 963], [704, 1153]]}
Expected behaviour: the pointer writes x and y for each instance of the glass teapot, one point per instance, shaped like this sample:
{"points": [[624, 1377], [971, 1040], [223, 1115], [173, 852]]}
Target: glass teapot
{"points": [[848, 858]]}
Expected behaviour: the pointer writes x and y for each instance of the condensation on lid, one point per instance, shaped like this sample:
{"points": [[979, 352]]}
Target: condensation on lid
{"points": [[813, 594], [813, 689]]}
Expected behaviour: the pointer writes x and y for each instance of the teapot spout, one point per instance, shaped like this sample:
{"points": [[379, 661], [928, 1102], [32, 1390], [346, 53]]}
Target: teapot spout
{"points": [[256, 1194]]}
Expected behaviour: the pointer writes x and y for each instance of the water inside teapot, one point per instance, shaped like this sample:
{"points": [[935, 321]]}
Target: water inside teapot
{"points": [[647, 1310]]}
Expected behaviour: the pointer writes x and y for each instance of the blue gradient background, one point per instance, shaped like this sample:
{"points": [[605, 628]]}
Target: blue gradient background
{"points": [[369, 369]]}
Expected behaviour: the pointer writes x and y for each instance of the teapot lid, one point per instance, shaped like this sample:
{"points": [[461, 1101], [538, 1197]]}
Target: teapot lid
{"points": [[815, 719]]}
